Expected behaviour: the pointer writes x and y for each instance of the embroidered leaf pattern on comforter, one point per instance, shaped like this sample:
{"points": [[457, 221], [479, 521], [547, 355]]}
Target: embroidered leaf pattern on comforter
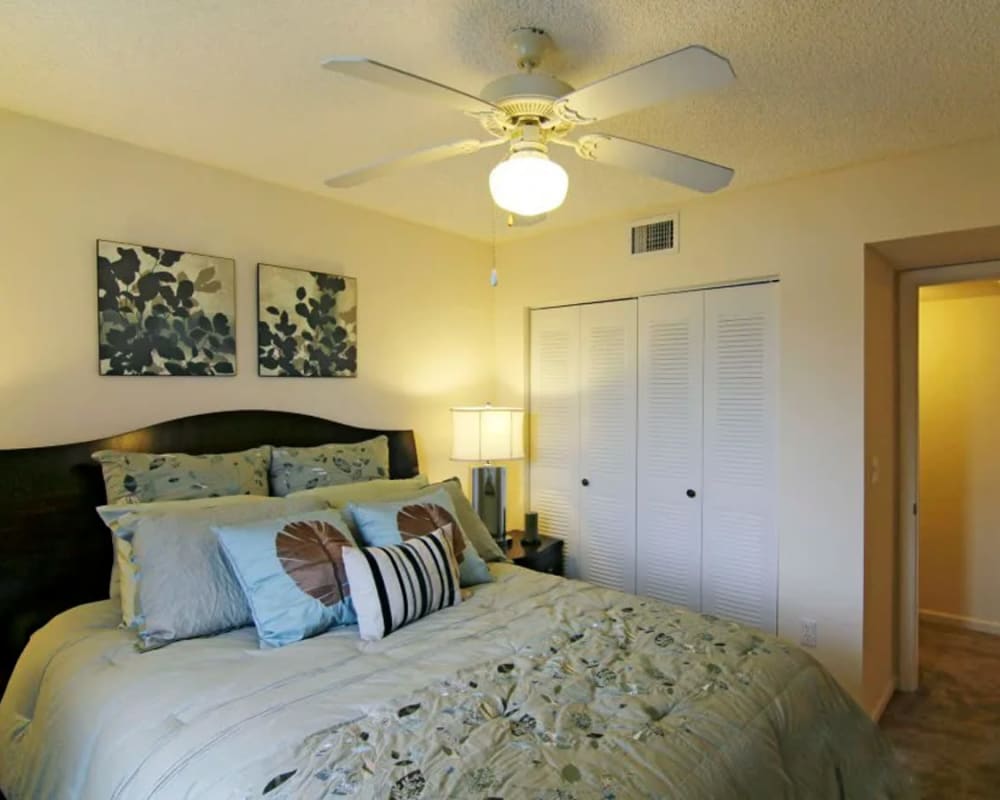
{"points": [[639, 700]]}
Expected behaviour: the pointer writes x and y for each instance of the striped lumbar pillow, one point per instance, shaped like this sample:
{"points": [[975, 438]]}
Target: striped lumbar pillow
{"points": [[395, 585]]}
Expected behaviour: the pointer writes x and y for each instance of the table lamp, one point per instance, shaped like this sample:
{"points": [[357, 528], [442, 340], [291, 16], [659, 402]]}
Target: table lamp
{"points": [[487, 433]]}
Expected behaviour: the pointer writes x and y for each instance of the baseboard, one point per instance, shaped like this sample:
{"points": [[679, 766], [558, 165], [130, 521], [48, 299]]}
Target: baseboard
{"points": [[883, 700], [958, 621]]}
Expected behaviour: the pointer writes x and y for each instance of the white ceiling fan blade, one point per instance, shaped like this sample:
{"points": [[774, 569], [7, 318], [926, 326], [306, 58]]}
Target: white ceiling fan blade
{"points": [[414, 159], [376, 72], [693, 69], [688, 171]]}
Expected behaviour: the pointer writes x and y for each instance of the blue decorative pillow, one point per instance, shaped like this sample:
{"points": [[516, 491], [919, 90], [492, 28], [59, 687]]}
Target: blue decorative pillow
{"points": [[385, 524], [292, 573]]}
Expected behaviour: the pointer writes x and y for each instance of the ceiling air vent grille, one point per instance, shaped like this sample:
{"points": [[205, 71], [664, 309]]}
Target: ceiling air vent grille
{"points": [[653, 236]]}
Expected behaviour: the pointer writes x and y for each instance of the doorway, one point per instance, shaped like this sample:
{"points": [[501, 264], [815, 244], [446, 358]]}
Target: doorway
{"points": [[935, 286]]}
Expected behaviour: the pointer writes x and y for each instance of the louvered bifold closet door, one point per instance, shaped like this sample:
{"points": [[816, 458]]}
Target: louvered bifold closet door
{"points": [[608, 443], [554, 425], [668, 509], [739, 531]]}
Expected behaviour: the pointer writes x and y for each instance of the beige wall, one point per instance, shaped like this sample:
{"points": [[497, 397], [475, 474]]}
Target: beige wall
{"points": [[425, 321], [959, 367], [811, 232], [433, 335], [881, 427]]}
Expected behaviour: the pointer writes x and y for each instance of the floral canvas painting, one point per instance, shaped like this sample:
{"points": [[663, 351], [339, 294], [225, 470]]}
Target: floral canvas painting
{"points": [[306, 323], [164, 312]]}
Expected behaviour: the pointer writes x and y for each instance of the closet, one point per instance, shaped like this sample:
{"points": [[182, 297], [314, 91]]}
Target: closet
{"points": [[654, 445]]}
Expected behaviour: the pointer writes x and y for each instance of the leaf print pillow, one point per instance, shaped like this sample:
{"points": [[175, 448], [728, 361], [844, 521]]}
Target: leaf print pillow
{"points": [[420, 519], [295, 469], [389, 523], [310, 553], [291, 570], [148, 477]]}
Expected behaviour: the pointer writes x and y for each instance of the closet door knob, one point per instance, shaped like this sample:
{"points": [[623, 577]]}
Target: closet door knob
{"points": [[691, 493], [585, 482]]}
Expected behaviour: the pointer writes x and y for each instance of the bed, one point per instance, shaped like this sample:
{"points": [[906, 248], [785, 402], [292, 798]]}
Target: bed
{"points": [[535, 686]]}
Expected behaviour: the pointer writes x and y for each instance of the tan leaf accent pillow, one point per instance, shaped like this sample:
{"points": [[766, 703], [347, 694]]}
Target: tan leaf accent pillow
{"points": [[420, 519], [311, 555]]}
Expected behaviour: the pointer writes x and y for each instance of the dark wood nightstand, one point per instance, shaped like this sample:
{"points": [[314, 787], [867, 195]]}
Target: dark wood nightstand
{"points": [[546, 556]]}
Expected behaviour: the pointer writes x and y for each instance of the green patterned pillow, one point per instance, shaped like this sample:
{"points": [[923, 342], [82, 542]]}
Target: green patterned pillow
{"points": [[294, 469], [148, 477]]}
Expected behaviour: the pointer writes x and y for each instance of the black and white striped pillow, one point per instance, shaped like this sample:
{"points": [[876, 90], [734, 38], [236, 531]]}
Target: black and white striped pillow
{"points": [[395, 585]]}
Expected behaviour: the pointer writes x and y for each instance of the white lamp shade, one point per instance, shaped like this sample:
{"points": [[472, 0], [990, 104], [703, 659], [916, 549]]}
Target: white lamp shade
{"points": [[486, 433], [528, 184]]}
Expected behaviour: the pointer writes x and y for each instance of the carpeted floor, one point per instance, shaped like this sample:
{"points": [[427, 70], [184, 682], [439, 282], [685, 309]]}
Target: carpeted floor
{"points": [[948, 732]]}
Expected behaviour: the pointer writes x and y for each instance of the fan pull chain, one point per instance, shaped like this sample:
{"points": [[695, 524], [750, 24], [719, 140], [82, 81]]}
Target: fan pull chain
{"points": [[494, 278]]}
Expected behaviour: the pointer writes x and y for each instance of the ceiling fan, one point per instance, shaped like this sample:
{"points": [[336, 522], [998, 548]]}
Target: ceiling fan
{"points": [[529, 111]]}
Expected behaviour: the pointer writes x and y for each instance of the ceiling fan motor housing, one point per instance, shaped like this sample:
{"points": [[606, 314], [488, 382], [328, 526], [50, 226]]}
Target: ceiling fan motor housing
{"points": [[525, 97], [526, 94]]}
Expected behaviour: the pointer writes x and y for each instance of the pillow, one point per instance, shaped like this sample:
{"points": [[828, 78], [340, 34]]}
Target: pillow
{"points": [[393, 586], [473, 527], [292, 574], [183, 586], [145, 477], [295, 469], [122, 568], [382, 524], [377, 491]]}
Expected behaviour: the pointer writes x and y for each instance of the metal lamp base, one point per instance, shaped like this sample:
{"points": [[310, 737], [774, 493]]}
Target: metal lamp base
{"points": [[489, 499]]}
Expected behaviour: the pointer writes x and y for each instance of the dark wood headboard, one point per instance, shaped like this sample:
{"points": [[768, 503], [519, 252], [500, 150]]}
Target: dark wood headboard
{"points": [[55, 553]]}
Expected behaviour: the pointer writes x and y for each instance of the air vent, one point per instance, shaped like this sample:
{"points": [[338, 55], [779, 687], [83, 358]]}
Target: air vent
{"points": [[657, 235]]}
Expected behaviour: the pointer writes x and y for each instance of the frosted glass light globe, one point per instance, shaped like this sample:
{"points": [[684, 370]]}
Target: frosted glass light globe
{"points": [[528, 184]]}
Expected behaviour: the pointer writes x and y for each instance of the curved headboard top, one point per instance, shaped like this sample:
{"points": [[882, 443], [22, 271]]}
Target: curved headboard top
{"points": [[55, 553]]}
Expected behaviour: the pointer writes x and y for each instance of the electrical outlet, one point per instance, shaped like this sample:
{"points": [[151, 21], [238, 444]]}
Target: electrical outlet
{"points": [[809, 636]]}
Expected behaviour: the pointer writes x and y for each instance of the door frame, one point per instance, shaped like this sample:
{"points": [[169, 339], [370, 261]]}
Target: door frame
{"points": [[908, 296]]}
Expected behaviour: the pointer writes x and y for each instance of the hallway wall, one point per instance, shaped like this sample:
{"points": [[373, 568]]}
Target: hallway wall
{"points": [[959, 358]]}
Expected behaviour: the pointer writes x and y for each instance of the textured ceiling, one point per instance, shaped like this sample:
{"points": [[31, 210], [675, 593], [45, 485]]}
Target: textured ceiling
{"points": [[237, 83]]}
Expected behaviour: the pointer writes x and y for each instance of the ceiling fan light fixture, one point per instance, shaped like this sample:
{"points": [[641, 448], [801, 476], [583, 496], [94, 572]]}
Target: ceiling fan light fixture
{"points": [[527, 183]]}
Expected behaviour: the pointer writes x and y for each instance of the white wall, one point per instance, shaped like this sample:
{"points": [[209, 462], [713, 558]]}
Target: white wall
{"points": [[425, 321], [959, 368], [811, 232]]}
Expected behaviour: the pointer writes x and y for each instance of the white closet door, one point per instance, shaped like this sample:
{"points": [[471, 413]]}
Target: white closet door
{"points": [[670, 448], [554, 425], [739, 541], [608, 444]]}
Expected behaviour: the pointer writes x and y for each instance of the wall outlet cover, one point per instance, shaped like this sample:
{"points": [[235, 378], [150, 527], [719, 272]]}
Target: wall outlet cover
{"points": [[809, 635]]}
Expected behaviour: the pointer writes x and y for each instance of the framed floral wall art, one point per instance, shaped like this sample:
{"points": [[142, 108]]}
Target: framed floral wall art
{"points": [[306, 323], [164, 312]]}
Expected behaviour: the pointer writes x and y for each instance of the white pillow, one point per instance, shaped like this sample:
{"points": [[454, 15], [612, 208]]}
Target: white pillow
{"points": [[395, 585]]}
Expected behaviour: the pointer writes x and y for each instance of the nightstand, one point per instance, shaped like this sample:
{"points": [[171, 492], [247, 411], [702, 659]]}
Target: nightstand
{"points": [[546, 556]]}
